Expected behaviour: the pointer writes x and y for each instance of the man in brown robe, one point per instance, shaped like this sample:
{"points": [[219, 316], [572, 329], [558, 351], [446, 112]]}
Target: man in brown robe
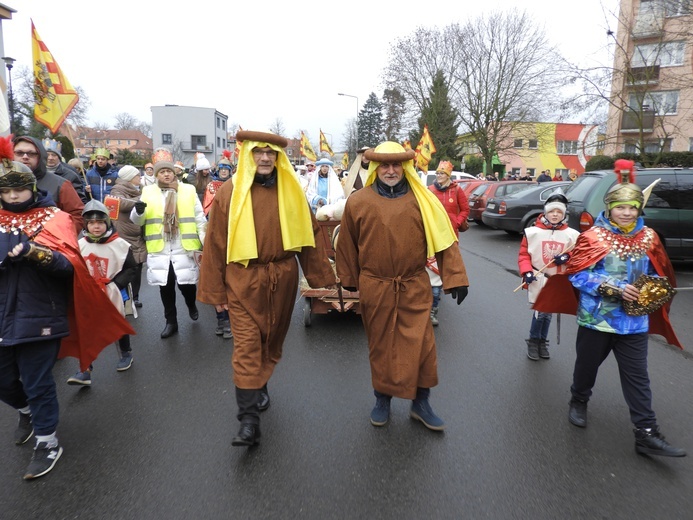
{"points": [[258, 225], [388, 230]]}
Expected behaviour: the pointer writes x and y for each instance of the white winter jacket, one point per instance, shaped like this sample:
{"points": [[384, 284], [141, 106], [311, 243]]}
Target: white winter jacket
{"points": [[184, 262]]}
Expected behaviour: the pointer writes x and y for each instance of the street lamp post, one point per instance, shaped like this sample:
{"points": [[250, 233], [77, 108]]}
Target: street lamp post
{"points": [[357, 114], [9, 62]]}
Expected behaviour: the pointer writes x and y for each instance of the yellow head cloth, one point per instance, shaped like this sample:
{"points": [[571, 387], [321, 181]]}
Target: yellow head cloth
{"points": [[439, 232], [294, 212]]}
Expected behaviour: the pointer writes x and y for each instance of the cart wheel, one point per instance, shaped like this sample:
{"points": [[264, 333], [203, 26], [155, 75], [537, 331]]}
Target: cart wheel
{"points": [[306, 313]]}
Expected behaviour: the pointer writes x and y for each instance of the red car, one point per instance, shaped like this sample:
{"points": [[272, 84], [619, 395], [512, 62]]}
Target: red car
{"points": [[492, 189]]}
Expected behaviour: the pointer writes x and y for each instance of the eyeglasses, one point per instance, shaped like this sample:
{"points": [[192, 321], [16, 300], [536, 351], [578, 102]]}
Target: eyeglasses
{"points": [[270, 153], [21, 153], [149, 169]]}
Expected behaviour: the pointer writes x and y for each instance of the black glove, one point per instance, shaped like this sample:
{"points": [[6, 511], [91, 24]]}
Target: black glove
{"points": [[350, 289], [139, 207], [561, 259], [460, 293], [528, 277]]}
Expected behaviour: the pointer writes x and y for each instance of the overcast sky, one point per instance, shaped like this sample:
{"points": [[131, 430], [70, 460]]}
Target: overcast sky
{"points": [[258, 61]]}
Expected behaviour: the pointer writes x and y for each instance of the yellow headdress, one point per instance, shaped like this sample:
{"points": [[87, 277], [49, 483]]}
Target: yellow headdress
{"points": [[294, 212], [439, 232]]}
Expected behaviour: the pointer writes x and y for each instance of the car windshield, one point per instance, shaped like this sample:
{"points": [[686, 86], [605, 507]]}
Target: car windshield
{"points": [[582, 186], [479, 190]]}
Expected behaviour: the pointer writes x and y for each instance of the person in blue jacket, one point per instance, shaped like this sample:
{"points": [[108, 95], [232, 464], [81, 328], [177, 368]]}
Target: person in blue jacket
{"points": [[35, 283], [101, 176]]}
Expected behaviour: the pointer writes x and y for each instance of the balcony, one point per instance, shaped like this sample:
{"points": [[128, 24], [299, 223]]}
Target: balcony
{"points": [[635, 122], [643, 75], [648, 25], [196, 147]]}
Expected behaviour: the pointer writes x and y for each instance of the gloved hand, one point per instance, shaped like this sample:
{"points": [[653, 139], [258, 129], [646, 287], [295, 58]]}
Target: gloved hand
{"points": [[19, 251], [528, 277], [140, 206], [561, 259], [459, 293]]}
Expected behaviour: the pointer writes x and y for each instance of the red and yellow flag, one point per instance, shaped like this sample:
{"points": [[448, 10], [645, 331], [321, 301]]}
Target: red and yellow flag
{"points": [[324, 145], [306, 149], [407, 144], [345, 161], [424, 150], [54, 97]]}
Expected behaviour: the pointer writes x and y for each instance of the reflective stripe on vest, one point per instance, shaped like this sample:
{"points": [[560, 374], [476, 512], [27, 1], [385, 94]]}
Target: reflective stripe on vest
{"points": [[154, 224]]}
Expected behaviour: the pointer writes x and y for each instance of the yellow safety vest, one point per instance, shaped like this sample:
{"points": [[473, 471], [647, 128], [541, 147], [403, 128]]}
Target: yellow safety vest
{"points": [[154, 218]]}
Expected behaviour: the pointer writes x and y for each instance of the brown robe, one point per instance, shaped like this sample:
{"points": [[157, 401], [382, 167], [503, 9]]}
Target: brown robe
{"points": [[260, 297], [382, 252]]}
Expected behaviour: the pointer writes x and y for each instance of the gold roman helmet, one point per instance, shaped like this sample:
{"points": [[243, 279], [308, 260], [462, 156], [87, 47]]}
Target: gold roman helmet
{"points": [[625, 191], [13, 174]]}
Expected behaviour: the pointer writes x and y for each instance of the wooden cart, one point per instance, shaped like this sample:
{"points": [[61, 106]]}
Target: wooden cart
{"points": [[322, 301]]}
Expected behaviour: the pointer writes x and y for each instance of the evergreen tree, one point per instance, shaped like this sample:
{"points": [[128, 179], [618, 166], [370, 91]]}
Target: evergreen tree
{"points": [[371, 122], [442, 120], [394, 107]]}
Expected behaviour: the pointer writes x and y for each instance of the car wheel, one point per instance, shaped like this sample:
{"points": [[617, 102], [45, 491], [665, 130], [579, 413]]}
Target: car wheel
{"points": [[531, 222], [511, 232]]}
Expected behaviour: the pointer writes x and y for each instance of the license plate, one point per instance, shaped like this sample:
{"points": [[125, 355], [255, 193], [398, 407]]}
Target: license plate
{"points": [[491, 206]]}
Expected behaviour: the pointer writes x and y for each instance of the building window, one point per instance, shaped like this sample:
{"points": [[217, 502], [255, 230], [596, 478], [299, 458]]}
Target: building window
{"points": [[218, 142], [289, 151], [223, 124], [567, 147], [223, 143], [108, 141], [199, 142], [563, 172], [166, 139], [218, 122], [652, 146], [128, 142], [517, 143], [531, 171], [533, 144], [665, 103], [665, 54], [669, 8]]}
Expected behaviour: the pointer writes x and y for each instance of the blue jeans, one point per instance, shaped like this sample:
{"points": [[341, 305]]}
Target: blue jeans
{"points": [[26, 377], [437, 289], [541, 321]]}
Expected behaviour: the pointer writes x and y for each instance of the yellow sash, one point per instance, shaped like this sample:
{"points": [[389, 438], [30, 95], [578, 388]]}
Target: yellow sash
{"points": [[294, 212], [439, 232]]}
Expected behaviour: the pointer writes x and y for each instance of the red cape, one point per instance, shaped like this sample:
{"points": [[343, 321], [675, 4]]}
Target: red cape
{"points": [[559, 295], [94, 321]]}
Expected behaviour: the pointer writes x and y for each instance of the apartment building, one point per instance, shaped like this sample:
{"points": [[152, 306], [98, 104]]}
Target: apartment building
{"points": [[651, 106], [186, 131]]}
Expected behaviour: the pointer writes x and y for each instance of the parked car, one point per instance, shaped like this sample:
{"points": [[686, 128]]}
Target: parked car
{"points": [[468, 185], [669, 210], [517, 211], [491, 189], [429, 177]]}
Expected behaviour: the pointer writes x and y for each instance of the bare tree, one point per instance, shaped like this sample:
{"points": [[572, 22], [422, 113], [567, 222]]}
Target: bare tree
{"points": [[648, 50], [504, 79], [278, 127], [394, 108], [125, 121]]}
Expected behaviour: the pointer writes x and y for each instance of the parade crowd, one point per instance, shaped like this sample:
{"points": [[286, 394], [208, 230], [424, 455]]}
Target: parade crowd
{"points": [[70, 235]]}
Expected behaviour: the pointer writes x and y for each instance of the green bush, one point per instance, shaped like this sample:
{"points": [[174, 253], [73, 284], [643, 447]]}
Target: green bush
{"points": [[599, 162]]}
